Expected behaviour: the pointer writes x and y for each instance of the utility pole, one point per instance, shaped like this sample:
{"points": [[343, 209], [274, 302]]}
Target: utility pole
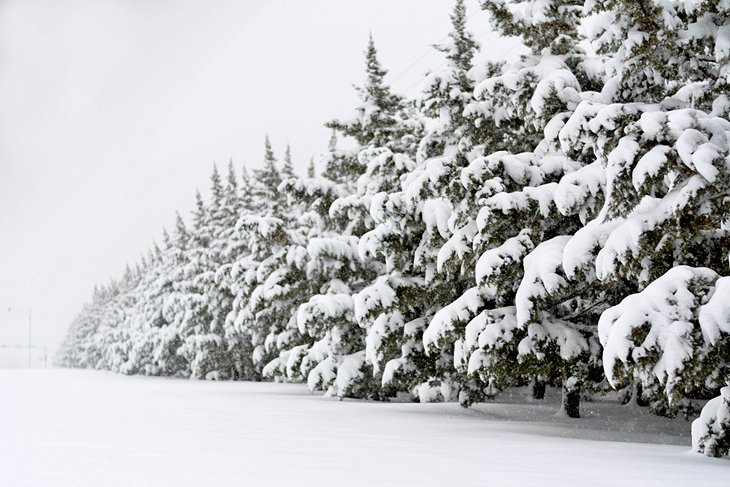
{"points": [[30, 337]]}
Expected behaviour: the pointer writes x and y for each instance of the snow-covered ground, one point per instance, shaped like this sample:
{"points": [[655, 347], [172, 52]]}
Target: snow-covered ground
{"points": [[79, 428]]}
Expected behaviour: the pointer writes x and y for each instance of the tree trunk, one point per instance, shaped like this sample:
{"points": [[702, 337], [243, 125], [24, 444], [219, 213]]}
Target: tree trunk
{"points": [[571, 402], [538, 388], [634, 400]]}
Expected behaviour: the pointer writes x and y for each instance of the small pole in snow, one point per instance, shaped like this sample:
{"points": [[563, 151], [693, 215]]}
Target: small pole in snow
{"points": [[30, 335], [30, 341]]}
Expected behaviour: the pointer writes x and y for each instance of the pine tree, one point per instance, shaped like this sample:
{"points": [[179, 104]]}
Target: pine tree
{"points": [[266, 183], [246, 191], [287, 171], [323, 270], [216, 186], [311, 169], [200, 212], [505, 316], [181, 237], [327, 262], [446, 92], [383, 118], [663, 192], [336, 360]]}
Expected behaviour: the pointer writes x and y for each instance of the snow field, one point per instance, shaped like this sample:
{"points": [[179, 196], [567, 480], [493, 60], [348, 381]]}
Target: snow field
{"points": [[82, 428]]}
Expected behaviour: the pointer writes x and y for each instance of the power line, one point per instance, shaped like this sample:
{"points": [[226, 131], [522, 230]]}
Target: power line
{"points": [[412, 65], [430, 50], [480, 36]]}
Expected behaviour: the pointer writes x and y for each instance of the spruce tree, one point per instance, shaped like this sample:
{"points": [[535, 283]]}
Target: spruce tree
{"points": [[311, 169], [266, 183], [287, 171], [383, 118], [532, 200], [447, 91]]}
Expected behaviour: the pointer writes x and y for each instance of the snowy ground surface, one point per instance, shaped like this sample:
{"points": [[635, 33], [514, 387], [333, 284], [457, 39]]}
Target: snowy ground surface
{"points": [[79, 428]]}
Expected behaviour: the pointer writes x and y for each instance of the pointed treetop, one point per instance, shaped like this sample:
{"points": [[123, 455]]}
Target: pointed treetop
{"points": [[288, 170], [311, 170], [269, 176], [444, 94], [156, 249], [375, 86], [379, 117], [216, 187], [269, 157], [375, 72], [245, 176], [181, 230], [246, 185], [232, 182], [462, 46], [200, 211], [333, 141], [166, 239]]}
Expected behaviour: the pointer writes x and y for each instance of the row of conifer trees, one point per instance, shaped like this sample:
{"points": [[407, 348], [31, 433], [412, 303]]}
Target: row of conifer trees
{"points": [[560, 220]]}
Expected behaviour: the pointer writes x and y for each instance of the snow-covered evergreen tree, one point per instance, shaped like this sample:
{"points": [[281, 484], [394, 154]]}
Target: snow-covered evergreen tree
{"points": [[412, 216], [664, 149], [265, 197], [384, 119], [711, 431], [447, 91], [514, 310], [287, 170]]}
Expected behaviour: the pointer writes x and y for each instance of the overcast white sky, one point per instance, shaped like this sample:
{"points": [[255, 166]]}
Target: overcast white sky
{"points": [[113, 111]]}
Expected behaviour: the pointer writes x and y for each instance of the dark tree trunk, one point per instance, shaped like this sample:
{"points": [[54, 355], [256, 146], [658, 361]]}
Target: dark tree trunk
{"points": [[571, 402], [538, 388]]}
